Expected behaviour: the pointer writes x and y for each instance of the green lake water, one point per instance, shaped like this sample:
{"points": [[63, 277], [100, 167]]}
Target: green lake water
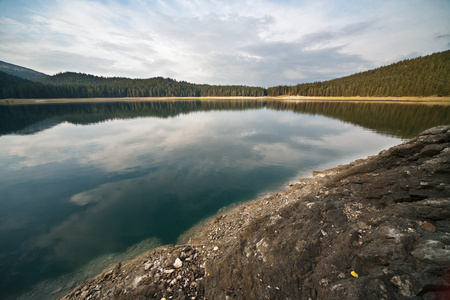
{"points": [[83, 184]]}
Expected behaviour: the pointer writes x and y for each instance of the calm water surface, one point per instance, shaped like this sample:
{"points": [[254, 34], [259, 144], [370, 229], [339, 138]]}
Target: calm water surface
{"points": [[81, 181]]}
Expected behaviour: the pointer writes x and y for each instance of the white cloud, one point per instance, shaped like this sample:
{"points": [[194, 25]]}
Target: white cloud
{"points": [[221, 42]]}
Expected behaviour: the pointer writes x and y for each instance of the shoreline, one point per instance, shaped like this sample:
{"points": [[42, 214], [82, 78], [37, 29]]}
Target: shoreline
{"points": [[374, 228], [426, 100]]}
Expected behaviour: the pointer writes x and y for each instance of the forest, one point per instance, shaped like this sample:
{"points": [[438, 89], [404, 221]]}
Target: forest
{"points": [[422, 76], [78, 85]]}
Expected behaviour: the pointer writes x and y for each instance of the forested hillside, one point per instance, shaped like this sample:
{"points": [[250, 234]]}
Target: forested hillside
{"points": [[77, 85], [15, 87], [422, 76]]}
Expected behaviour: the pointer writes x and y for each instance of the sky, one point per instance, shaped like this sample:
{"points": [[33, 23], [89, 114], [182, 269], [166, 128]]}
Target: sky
{"points": [[257, 43]]}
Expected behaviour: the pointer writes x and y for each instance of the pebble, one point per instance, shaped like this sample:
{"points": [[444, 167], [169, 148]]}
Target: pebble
{"points": [[428, 227], [178, 263]]}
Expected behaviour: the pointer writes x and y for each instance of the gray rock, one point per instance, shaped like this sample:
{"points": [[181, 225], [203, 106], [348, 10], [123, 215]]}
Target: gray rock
{"points": [[432, 251], [178, 263]]}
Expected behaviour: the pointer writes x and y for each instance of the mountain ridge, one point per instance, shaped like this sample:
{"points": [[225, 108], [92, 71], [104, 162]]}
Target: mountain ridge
{"points": [[20, 71]]}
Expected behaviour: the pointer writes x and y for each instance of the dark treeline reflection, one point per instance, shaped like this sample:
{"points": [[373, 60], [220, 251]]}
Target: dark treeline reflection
{"points": [[28, 119], [400, 120]]}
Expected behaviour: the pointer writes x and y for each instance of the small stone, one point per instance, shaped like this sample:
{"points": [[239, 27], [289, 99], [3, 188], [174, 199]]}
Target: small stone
{"points": [[324, 282], [404, 285], [169, 271], [178, 263], [84, 294], [136, 281], [428, 227], [57, 291], [70, 284], [216, 248]]}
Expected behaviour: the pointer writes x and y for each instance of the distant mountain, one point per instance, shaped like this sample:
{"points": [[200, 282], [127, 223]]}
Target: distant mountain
{"points": [[422, 76], [20, 71]]}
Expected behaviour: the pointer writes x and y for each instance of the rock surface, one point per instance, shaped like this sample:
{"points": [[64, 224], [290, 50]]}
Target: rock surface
{"points": [[166, 272], [378, 228]]}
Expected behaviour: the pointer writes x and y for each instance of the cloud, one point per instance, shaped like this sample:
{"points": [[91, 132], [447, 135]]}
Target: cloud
{"points": [[221, 42]]}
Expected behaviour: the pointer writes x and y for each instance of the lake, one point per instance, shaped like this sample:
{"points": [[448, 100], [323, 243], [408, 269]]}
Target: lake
{"points": [[84, 185]]}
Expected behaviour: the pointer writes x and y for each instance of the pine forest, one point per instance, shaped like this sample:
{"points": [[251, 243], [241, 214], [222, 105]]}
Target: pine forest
{"points": [[422, 76]]}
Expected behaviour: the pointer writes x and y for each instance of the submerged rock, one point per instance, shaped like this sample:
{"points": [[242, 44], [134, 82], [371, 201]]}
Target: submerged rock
{"points": [[377, 228]]}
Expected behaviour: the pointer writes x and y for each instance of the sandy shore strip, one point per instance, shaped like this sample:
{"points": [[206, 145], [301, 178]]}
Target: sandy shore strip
{"points": [[429, 100]]}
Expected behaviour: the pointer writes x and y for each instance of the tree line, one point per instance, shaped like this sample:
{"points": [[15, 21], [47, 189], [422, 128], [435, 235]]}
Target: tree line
{"points": [[78, 85], [422, 76]]}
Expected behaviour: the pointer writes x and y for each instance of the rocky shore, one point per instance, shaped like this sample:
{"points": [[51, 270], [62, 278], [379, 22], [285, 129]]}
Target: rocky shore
{"points": [[377, 228]]}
